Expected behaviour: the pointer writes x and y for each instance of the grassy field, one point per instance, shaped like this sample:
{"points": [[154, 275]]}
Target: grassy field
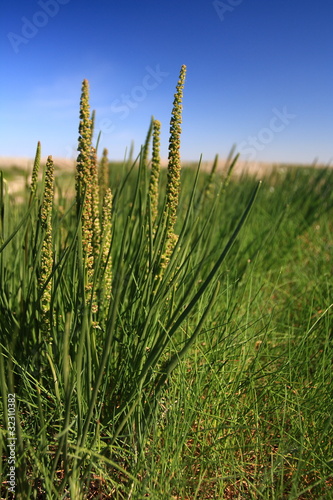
{"points": [[166, 333]]}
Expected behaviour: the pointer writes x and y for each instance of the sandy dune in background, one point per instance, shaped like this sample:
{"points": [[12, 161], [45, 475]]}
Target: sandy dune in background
{"points": [[16, 184], [19, 161], [64, 163]]}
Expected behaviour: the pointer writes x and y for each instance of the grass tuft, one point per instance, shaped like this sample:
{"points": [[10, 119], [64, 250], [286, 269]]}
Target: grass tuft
{"points": [[165, 342]]}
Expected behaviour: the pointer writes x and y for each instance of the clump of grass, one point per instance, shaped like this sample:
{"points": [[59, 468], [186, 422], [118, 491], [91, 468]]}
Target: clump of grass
{"points": [[212, 381]]}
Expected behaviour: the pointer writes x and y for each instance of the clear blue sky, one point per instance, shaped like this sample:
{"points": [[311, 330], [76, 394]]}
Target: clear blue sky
{"points": [[259, 74]]}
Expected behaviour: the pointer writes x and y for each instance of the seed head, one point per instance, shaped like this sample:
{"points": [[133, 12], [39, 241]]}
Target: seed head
{"points": [[85, 136], [155, 170], [104, 180], [96, 226], [45, 283], [35, 170], [106, 262], [173, 183]]}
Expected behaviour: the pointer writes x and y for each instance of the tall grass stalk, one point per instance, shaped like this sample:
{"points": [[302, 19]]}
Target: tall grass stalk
{"points": [[155, 172], [45, 274], [174, 166]]}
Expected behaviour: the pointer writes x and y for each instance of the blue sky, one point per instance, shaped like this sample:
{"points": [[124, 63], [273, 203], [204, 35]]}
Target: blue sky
{"points": [[259, 74]]}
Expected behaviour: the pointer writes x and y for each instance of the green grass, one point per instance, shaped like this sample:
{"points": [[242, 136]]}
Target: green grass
{"points": [[207, 377]]}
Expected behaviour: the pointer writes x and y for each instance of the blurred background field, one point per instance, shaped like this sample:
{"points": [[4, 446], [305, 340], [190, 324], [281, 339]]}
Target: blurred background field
{"points": [[18, 169]]}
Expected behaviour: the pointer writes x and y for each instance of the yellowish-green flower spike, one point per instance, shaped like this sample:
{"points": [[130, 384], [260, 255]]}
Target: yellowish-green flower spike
{"points": [[145, 149], [104, 180], [87, 242], [155, 171], [84, 188], [173, 181], [96, 225], [93, 116], [35, 170], [106, 262], [45, 283], [47, 204], [85, 137]]}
